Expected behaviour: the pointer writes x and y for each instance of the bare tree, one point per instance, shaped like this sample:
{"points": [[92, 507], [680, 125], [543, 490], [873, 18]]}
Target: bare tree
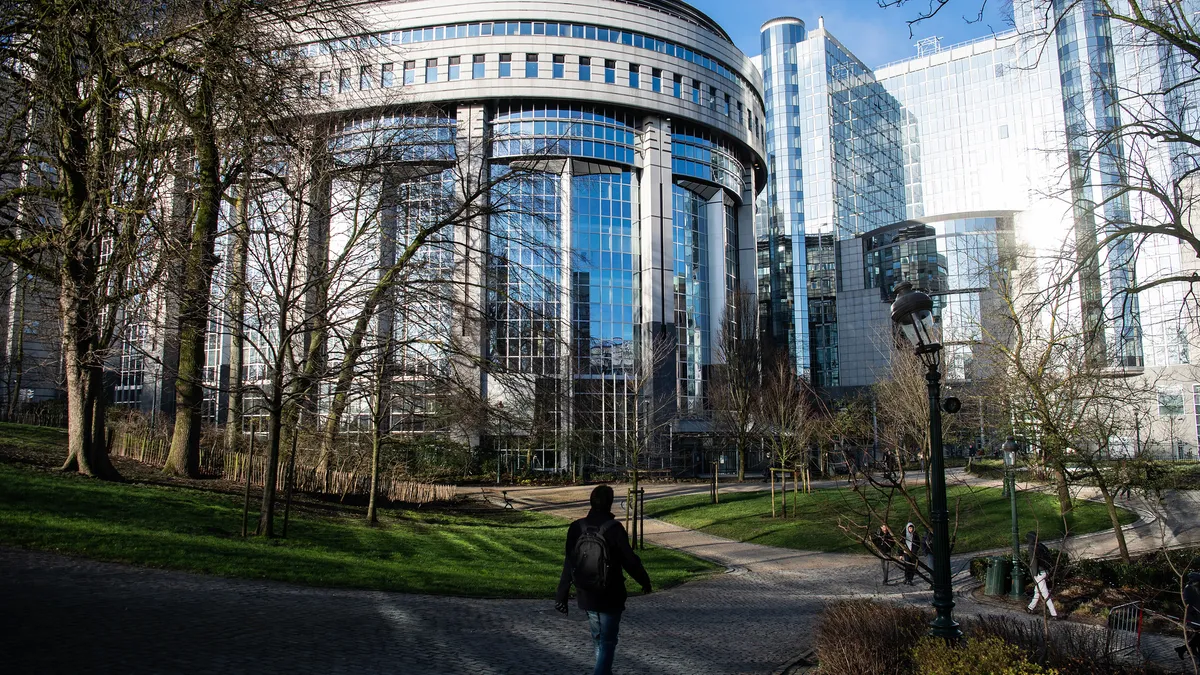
{"points": [[1069, 396], [80, 184], [736, 382], [228, 70], [789, 415], [458, 224]]}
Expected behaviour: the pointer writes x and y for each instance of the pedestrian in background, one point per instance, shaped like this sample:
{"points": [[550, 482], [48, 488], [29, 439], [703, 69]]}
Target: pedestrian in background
{"points": [[885, 543], [1041, 563], [912, 549]]}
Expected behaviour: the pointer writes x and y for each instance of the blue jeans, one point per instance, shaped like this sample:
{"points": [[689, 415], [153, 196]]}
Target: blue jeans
{"points": [[604, 627]]}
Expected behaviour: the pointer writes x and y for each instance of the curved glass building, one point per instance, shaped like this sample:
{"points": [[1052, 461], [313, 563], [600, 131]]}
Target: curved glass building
{"points": [[644, 128]]}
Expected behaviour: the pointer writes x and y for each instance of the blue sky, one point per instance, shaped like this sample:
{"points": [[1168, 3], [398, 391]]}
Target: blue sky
{"points": [[875, 35]]}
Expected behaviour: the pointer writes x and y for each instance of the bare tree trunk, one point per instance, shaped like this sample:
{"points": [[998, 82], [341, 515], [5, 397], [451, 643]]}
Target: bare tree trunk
{"points": [[86, 449], [237, 313], [1114, 517], [741, 455], [266, 523], [200, 260], [1064, 489], [377, 418], [17, 362]]}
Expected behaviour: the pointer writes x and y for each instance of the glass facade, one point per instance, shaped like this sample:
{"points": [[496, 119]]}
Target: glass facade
{"points": [[835, 171], [957, 261], [563, 130], [530, 28], [1092, 109], [525, 274], [605, 303], [697, 155], [690, 215], [539, 287]]}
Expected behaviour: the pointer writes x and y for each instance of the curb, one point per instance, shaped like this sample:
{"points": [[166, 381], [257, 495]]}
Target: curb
{"points": [[803, 662]]}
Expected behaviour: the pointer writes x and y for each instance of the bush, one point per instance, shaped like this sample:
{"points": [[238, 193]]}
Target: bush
{"points": [[986, 655], [986, 468], [1069, 649], [863, 636]]}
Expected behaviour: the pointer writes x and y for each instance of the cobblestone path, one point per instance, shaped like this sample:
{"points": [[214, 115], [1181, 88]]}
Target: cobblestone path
{"points": [[67, 615]]}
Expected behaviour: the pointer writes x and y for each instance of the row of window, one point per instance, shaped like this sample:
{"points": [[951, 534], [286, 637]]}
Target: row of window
{"points": [[549, 29], [454, 69]]}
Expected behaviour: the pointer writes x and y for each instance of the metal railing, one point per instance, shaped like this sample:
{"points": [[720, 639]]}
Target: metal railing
{"points": [[1124, 629]]}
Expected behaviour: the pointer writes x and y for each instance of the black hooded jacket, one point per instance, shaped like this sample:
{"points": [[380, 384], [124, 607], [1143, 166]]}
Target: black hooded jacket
{"points": [[620, 556]]}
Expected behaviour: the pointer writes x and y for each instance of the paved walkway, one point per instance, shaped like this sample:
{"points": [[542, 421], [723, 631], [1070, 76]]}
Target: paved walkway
{"points": [[77, 616]]}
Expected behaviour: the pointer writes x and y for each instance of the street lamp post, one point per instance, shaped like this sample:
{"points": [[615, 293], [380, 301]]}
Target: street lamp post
{"points": [[912, 311], [1010, 475]]}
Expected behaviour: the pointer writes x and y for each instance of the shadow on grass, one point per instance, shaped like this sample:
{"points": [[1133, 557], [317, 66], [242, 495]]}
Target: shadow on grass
{"points": [[490, 554]]}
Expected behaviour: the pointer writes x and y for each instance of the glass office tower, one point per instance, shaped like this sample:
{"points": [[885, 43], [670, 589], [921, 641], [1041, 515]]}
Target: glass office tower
{"points": [[835, 172], [995, 152]]}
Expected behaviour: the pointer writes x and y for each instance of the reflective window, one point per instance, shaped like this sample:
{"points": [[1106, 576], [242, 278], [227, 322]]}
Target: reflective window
{"points": [[506, 65], [365, 77], [690, 232], [477, 66], [605, 295], [525, 274], [634, 76], [531, 65], [697, 155], [343, 80], [572, 30], [386, 77], [324, 85], [454, 70], [610, 71], [576, 131], [410, 72], [656, 80], [558, 70], [585, 68], [396, 137], [431, 70]]}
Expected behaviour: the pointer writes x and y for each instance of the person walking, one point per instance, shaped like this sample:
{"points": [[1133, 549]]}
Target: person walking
{"points": [[885, 543], [912, 549], [1191, 617], [597, 555], [1041, 563]]}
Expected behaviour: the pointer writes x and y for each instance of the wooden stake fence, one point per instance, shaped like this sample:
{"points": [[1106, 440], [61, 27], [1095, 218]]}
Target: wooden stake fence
{"points": [[234, 466]]}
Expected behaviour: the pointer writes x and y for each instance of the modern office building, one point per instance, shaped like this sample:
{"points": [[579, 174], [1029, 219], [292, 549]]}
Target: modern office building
{"points": [[956, 158], [646, 125]]}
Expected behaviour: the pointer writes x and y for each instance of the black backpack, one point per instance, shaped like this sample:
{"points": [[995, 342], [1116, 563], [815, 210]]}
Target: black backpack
{"points": [[590, 558]]}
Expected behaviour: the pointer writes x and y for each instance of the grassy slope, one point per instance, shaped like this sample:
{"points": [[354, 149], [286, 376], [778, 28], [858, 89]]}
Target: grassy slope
{"points": [[983, 514], [482, 553]]}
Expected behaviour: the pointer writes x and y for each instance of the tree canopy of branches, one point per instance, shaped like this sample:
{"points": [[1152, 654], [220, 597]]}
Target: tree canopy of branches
{"points": [[1065, 388], [80, 183]]}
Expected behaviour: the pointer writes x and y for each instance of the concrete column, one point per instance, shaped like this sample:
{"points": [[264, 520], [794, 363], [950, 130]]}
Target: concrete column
{"points": [[566, 343], [655, 222], [318, 205], [470, 244]]}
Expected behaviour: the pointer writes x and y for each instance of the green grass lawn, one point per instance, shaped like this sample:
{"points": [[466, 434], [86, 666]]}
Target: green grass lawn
{"points": [[479, 553], [983, 518]]}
